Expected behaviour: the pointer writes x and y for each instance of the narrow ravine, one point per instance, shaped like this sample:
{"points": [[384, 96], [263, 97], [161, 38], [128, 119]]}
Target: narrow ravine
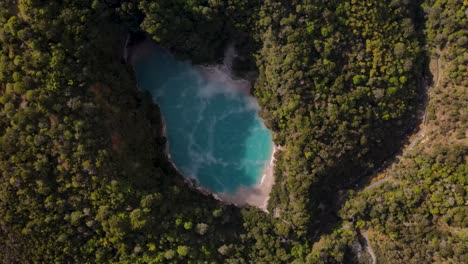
{"points": [[416, 138]]}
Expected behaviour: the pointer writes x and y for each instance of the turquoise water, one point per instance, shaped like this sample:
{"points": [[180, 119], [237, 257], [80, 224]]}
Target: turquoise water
{"points": [[214, 132]]}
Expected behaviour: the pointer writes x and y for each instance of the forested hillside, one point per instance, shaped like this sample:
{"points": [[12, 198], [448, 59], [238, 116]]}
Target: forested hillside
{"points": [[415, 210], [83, 174], [337, 82], [366, 99]]}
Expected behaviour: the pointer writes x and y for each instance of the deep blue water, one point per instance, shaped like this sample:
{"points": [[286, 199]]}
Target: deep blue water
{"points": [[214, 132]]}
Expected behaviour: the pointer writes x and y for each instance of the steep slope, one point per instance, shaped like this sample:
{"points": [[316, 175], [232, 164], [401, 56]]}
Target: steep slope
{"points": [[83, 173], [84, 177], [415, 209]]}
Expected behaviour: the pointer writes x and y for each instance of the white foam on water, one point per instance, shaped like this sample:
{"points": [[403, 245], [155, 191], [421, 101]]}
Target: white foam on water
{"points": [[223, 74], [210, 81]]}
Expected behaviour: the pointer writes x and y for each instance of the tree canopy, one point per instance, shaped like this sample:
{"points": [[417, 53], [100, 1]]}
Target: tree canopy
{"points": [[84, 177]]}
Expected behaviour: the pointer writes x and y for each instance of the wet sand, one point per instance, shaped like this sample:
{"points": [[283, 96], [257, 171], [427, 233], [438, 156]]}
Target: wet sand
{"points": [[257, 195]]}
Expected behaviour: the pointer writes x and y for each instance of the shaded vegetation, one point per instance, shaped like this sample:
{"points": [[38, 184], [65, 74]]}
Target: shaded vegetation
{"points": [[83, 173]]}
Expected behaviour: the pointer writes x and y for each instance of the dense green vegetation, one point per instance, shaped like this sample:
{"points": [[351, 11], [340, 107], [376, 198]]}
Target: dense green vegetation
{"points": [[200, 29], [83, 173], [336, 83], [344, 79], [418, 215]]}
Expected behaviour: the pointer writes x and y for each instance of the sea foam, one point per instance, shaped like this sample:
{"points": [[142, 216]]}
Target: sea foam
{"points": [[214, 132]]}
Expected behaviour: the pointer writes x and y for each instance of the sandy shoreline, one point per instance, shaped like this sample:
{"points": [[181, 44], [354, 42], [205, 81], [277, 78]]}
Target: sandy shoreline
{"points": [[257, 195]]}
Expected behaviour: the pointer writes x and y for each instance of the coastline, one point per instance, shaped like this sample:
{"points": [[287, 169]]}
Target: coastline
{"points": [[257, 195], [133, 52]]}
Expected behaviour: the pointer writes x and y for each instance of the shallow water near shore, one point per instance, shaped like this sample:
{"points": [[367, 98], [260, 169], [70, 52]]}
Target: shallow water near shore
{"points": [[215, 135]]}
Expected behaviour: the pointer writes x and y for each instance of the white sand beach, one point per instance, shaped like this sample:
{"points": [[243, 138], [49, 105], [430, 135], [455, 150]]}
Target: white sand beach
{"points": [[257, 195]]}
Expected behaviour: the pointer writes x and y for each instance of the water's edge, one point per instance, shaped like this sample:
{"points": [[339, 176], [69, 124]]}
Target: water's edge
{"points": [[257, 195]]}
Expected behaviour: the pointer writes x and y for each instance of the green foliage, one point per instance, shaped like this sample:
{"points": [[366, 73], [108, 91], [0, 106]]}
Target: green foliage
{"points": [[332, 94], [83, 173], [202, 229], [427, 203], [333, 248], [196, 29], [183, 251], [446, 31]]}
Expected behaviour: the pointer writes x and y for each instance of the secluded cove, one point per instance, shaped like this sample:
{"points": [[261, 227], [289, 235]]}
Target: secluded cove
{"points": [[214, 132]]}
